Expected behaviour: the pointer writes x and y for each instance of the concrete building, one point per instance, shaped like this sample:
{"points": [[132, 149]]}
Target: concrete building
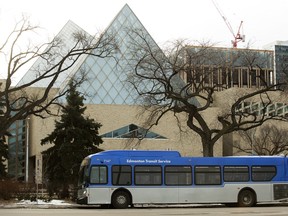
{"points": [[280, 50], [111, 102]]}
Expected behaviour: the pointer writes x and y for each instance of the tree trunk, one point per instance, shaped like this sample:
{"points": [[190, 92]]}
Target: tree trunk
{"points": [[208, 146]]}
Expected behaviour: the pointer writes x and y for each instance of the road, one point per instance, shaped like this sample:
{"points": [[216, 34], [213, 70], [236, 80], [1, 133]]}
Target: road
{"points": [[171, 211]]}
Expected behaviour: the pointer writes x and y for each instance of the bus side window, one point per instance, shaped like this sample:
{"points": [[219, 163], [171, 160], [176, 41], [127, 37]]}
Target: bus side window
{"points": [[236, 173], [148, 175], [178, 175], [98, 175], [121, 175], [207, 175], [263, 173]]}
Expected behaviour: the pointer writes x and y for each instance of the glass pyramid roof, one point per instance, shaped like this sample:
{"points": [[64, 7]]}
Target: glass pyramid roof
{"points": [[107, 77], [106, 81], [41, 66]]}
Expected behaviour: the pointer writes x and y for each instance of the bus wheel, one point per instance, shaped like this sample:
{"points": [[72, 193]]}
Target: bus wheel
{"points": [[121, 200], [246, 198]]}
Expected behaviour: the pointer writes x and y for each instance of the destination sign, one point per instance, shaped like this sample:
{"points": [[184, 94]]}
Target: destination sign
{"points": [[159, 161]]}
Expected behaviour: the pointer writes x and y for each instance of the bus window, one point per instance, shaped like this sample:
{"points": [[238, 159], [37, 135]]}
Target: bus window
{"points": [[178, 175], [236, 173], [121, 175], [148, 175], [207, 175], [98, 175], [263, 173], [83, 175]]}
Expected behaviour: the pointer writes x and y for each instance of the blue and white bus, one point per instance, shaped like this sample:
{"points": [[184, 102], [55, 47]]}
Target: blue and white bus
{"points": [[122, 178]]}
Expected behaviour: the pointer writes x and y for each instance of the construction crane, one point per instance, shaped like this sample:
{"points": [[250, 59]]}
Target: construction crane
{"points": [[237, 37]]}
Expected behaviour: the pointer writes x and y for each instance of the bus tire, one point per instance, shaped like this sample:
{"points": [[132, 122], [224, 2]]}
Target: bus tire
{"points": [[121, 200], [246, 198]]}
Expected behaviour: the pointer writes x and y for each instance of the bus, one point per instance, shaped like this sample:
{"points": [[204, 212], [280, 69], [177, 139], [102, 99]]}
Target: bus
{"points": [[123, 178]]}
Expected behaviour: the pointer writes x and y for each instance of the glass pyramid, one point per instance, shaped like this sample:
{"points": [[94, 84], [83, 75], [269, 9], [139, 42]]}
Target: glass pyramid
{"points": [[106, 79], [66, 35], [106, 83]]}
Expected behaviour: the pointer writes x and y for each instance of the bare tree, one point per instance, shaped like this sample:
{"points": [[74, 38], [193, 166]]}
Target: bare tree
{"points": [[185, 79], [267, 140], [55, 58]]}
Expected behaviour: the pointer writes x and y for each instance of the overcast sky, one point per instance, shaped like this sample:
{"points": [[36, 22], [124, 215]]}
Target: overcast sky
{"points": [[264, 21]]}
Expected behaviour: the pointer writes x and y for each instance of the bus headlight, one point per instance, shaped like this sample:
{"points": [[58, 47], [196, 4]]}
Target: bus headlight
{"points": [[84, 192]]}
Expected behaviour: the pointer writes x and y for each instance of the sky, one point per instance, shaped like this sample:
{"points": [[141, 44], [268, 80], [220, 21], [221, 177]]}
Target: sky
{"points": [[264, 21]]}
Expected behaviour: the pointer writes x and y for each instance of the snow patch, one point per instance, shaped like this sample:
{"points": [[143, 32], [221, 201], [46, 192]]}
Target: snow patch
{"points": [[42, 202]]}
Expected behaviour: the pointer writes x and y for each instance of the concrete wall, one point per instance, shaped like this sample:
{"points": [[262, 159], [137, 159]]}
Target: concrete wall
{"points": [[113, 117]]}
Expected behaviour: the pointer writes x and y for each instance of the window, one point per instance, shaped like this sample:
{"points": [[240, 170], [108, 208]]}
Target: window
{"points": [[263, 80], [229, 78], [178, 175], [132, 131], [98, 175], [235, 77], [83, 175], [197, 74], [206, 75], [244, 77], [215, 76], [263, 173], [207, 175], [224, 76], [253, 77], [148, 175], [236, 173], [121, 175]]}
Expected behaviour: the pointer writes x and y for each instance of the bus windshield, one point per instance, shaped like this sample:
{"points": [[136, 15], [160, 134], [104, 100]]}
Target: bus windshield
{"points": [[84, 173]]}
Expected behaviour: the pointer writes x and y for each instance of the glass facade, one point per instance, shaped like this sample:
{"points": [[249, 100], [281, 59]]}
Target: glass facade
{"points": [[258, 108], [16, 148], [106, 78], [227, 68], [132, 131], [281, 62], [66, 39]]}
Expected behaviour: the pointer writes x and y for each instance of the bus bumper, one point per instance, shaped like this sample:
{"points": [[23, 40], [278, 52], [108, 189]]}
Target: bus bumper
{"points": [[82, 196], [82, 201]]}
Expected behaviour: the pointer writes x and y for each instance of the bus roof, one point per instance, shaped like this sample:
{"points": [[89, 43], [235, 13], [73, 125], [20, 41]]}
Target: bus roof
{"points": [[173, 157], [138, 153], [168, 153]]}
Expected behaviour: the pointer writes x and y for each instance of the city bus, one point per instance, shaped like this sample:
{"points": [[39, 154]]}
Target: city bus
{"points": [[123, 178]]}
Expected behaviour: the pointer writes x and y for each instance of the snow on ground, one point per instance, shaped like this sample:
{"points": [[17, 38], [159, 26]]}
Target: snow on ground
{"points": [[42, 202]]}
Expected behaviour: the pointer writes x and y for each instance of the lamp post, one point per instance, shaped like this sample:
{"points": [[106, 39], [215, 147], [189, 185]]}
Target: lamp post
{"points": [[27, 151]]}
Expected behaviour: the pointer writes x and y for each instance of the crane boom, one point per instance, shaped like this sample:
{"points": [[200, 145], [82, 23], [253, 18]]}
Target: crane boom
{"points": [[237, 37]]}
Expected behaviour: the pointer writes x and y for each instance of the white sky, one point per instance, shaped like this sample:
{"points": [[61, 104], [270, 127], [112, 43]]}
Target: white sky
{"points": [[264, 21]]}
